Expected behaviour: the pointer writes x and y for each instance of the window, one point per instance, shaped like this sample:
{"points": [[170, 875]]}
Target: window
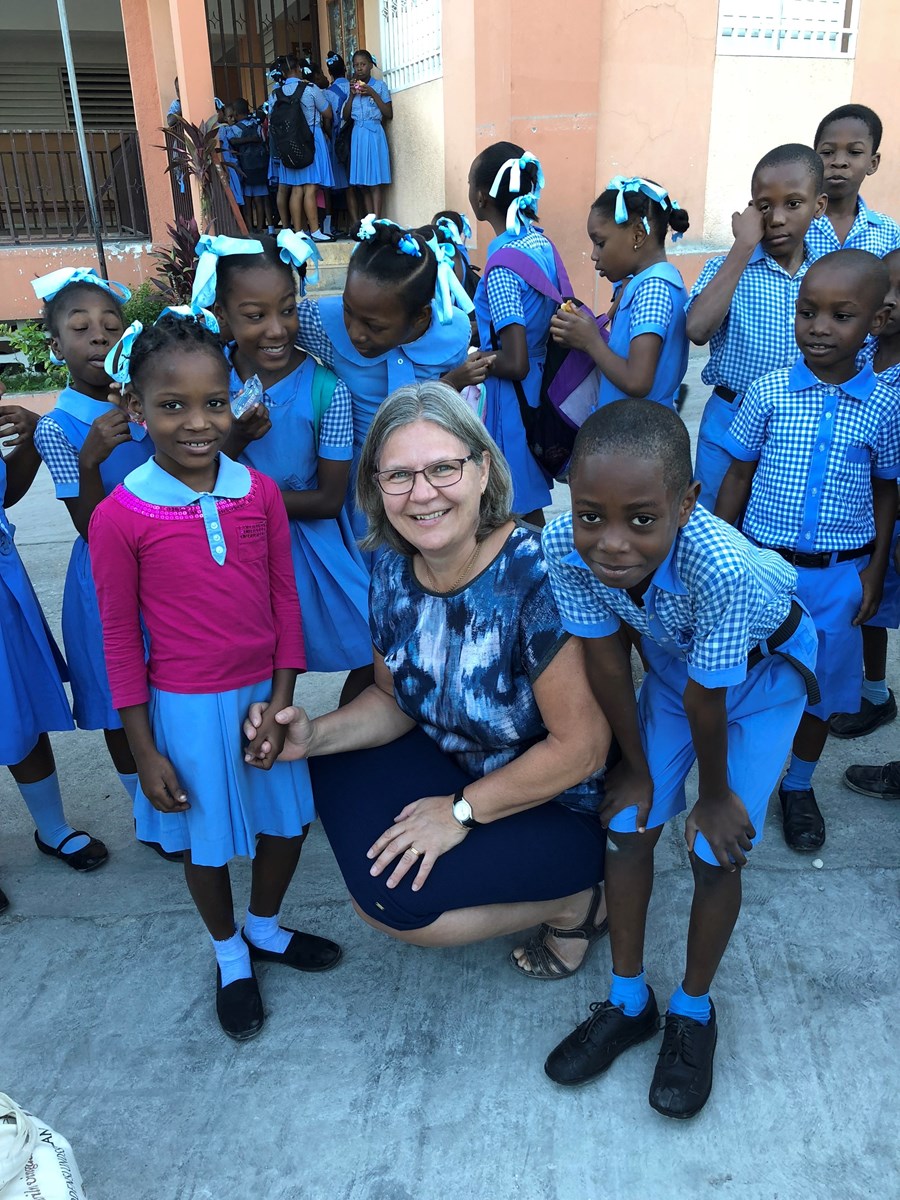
{"points": [[788, 28], [105, 97], [410, 42], [344, 34]]}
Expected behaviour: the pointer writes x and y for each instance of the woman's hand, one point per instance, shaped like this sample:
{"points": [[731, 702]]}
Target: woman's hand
{"points": [[159, 783], [292, 725], [624, 787], [421, 833], [577, 330], [726, 825], [17, 425]]}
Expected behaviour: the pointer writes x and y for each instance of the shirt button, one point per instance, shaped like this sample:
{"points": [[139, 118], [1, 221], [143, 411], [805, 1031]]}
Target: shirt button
{"points": [[400, 362], [808, 537], [217, 537], [220, 549], [815, 491], [822, 449], [214, 525], [828, 416]]}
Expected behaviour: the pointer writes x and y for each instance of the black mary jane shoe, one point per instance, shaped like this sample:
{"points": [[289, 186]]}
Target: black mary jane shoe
{"points": [[802, 822], [176, 856], [239, 1007], [88, 858], [305, 952], [683, 1077]]}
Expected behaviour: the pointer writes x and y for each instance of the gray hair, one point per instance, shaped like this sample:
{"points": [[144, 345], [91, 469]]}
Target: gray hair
{"points": [[443, 406]]}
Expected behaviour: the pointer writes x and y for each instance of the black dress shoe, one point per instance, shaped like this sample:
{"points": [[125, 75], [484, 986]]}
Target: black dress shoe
{"points": [[881, 782], [869, 718], [304, 952], [804, 825], [239, 1007], [168, 855], [4, 901], [592, 1048], [88, 858], [683, 1077]]}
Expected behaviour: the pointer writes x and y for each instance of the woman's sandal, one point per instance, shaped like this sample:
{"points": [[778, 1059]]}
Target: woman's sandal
{"points": [[88, 858], [547, 965]]}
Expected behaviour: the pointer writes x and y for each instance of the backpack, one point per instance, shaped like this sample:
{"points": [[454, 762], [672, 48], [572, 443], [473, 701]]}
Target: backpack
{"points": [[323, 384], [289, 129], [571, 378], [253, 156]]}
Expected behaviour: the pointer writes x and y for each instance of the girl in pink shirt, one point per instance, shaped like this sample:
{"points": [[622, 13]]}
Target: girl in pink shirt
{"points": [[197, 546]]}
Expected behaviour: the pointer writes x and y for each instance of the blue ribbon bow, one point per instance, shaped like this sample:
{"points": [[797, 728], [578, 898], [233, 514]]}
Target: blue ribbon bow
{"points": [[451, 229], [185, 312], [117, 363], [297, 249], [516, 219], [210, 250], [406, 245], [636, 184], [449, 292], [47, 286]]}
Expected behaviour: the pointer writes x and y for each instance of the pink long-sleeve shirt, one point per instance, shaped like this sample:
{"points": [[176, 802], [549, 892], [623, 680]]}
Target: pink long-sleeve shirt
{"points": [[212, 627]]}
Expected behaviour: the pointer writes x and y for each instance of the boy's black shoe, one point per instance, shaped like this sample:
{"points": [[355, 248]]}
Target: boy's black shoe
{"points": [[869, 718], [804, 825], [683, 1077], [239, 1007], [592, 1048], [881, 782]]}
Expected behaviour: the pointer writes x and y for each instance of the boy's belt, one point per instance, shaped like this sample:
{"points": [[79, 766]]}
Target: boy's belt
{"points": [[725, 393], [827, 558], [786, 630]]}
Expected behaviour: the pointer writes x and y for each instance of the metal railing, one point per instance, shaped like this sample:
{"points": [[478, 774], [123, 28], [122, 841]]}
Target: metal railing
{"points": [[42, 191]]}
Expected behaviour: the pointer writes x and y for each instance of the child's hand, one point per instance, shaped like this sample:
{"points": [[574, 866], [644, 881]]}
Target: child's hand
{"points": [[725, 824], [17, 425], [160, 785], [577, 330], [269, 740], [625, 787], [105, 434], [748, 227], [295, 724], [251, 426], [473, 371], [872, 587]]}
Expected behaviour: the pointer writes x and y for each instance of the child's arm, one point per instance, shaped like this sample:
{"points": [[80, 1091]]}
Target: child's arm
{"points": [[744, 442], [735, 491], [884, 500], [633, 375], [709, 308], [324, 501], [159, 783], [23, 460]]}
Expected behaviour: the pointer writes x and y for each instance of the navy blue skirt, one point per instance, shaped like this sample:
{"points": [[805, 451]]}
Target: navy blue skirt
{"points": [[543, 853]]}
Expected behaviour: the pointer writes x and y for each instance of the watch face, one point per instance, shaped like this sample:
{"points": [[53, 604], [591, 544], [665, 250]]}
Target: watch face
{"points": [[462, 810]]}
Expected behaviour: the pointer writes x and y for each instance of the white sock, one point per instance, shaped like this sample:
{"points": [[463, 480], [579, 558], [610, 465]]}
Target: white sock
{"points": [[266, 934], [233, 957], [326, 225], [129, 783], [44, 802]]}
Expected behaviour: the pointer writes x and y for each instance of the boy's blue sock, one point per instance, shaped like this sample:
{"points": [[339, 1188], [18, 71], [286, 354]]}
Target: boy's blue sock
{"points": [[684, 1005], [45, 805], [233, 957], [875, 691], [129, 783], [799, 775], [630, 993]]}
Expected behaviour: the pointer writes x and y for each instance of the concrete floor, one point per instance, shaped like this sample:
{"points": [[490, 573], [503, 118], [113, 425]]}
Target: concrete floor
{"points": [[412, 1073]]}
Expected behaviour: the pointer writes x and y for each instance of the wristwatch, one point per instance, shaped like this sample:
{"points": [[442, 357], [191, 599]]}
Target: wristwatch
{"points": [[462, 811]]}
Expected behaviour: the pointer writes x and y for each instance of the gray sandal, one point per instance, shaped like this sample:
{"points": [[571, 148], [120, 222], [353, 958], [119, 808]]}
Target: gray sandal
{"points": [[547, 965]]}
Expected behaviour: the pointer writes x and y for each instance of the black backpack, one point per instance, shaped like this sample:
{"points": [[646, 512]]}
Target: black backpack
{"points": [[289, 129], [253, 156]]}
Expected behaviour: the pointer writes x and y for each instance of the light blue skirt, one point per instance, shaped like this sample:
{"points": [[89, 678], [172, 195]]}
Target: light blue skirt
{"points": [[234, 182], [333, 585], [370, 162], [83, 640], [503, 421], [32, 698], [319, 170], [231, 803], [338, 171]]}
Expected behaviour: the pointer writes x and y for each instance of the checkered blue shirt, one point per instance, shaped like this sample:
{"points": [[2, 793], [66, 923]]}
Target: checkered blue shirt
{"points": [[60, 455], [817, 447], [889, 375], [651, 310], [711, 601], [872, 231], [505, 289], [311, 335], [757, 335]]}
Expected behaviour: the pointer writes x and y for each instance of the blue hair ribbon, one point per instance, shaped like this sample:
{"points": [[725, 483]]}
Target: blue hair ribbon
{"points": [[186, 312], [47, 286], [210, 250], [332, 58], [449, 292], [636, 184], [449, 227], [297, 249], [117, 363], [516, 218], [407, 243]]}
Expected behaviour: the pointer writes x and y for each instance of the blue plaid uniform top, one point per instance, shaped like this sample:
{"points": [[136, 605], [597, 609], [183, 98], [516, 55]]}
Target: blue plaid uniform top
{"points": [[711, 601], [817, 446], [60, 456], [889, 375], [757, 335], [872, 231], [506, 291], [651, 310]]}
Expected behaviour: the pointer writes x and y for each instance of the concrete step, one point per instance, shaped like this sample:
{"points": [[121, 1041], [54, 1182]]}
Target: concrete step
{"points": [[332, 268]]}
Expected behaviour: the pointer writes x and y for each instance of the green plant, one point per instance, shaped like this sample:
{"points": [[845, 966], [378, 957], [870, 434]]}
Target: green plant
{"points": [[145, 304], [29, 339], [177, 263], [195, 151]]}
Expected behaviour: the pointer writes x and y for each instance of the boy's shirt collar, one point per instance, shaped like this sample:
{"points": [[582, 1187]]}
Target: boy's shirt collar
{"points": [[760, 255], [860, 387]]}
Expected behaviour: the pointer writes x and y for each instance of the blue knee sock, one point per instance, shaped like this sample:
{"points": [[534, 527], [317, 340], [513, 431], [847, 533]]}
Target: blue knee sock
{"points": [[799, 775], [129, 783], [45, 805], [630, 993], [875, 691], [233, 957], [697, 1007]]}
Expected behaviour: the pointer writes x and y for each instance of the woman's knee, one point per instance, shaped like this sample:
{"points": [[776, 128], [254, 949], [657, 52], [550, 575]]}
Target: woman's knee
{"points": [[425, 936]]}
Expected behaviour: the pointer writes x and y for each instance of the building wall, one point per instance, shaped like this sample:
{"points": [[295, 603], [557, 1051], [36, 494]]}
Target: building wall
{"points": [[416, 138]]}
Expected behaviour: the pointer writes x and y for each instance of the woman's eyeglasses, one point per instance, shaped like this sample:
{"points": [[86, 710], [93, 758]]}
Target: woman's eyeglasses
{"points": [[401, 480]]}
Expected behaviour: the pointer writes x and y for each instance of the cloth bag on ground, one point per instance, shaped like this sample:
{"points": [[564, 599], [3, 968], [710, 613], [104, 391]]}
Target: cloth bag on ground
{"points": [[36, 1163]]}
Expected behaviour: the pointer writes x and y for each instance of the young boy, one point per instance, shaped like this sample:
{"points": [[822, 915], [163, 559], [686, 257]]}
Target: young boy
{"points": [[816, 452], [729, 658], [743, 302], [847, 141]]}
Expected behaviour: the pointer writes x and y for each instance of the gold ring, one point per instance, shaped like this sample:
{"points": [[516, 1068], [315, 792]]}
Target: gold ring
{"points": [[414, 851]]}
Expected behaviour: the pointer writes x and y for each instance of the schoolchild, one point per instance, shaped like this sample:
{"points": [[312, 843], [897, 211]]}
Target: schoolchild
{"points": [[647, 353], [816, 455], [877, 704], [338, 94], [309, 446], [743, 303], [848, 141], [246, 141], [297, 186], [227, 634], [729, 655], [32, 668], [89, 446], [370, 105], [227, 130]]}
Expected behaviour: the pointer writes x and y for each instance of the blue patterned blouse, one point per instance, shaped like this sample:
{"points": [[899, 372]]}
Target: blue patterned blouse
{"points": [[464, 665]]}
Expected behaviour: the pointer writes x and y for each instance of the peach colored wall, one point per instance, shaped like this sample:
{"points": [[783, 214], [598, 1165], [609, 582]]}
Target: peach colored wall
{"points": [[875, 84], [127, 262]]}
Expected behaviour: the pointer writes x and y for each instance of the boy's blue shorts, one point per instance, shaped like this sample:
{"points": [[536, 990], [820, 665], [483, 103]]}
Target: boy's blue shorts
{"points": [[888, 615], [833, 596]]}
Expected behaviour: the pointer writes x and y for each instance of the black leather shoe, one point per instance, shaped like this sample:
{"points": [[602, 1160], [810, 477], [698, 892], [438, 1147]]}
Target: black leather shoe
{"points": [[88, 858], [683, 1077], [239, 1007], [592, 1048], [305, 952], [804, 825], [869, 718], [881, 782], [4, 901]]}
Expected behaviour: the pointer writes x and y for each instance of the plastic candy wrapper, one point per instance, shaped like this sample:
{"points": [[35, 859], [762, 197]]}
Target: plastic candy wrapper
{"points": [[250, 395]]}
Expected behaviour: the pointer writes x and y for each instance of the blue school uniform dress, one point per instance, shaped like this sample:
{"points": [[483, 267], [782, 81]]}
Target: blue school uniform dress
{"points": [[31, 666], [756, 336], [314, 102], [888, 615], [337, 95], [871, 230], [652, 302], [370, 380], [332, 580], [230, 159], [59, 437], [714, 601], [816, 447], [370, 160], [501, 300]]}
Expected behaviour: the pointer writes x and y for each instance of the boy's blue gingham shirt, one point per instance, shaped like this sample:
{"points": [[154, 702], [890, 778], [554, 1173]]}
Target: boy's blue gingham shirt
{"points": [[711, 601], [757, 335], [872, 231], [817, 446]]}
